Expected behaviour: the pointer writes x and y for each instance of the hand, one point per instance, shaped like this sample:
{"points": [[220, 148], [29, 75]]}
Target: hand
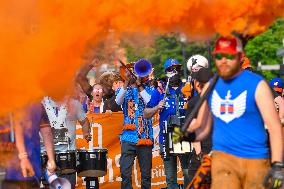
{"points": [[127, 77], [161, 105], [177, 135], [197, 147], [275, 177], [88, 137], [51, 166], [95, 62], [108, 111], [26, 167], [138, 81]]}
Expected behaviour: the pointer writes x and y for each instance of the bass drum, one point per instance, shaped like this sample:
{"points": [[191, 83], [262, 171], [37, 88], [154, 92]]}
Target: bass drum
{"points": [[92, 163]]}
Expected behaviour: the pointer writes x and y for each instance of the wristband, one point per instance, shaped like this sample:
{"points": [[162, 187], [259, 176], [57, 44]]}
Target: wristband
{"points": [[277, 164], [23, 155]]}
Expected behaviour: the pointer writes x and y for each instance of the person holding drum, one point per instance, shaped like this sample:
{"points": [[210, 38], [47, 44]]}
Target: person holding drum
{"points": [[137, 135], [24, 169], [171, 104], [63, 117]]}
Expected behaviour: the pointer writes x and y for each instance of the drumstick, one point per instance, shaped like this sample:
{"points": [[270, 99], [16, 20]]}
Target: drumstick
{"points": [[91, 144], [167, 88], [169, 75]]}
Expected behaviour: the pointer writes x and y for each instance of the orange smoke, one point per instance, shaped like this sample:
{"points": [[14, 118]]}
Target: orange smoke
{"points": [[43, 42]]}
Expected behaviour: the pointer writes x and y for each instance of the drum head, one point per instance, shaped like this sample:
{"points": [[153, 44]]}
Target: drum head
{"points": [[65, 152], [67, 171], [98, 150]]}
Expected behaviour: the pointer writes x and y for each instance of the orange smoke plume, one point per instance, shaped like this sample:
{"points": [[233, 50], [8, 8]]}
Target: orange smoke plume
{"points": [[43, 42]]}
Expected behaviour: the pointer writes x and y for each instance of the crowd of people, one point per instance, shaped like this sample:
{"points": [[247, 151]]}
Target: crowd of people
{"points": [[239, 122]]}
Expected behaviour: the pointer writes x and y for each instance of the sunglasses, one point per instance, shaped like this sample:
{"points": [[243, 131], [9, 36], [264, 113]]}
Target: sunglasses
{"points": [[173, 68], [98, 90], [219, 56]]}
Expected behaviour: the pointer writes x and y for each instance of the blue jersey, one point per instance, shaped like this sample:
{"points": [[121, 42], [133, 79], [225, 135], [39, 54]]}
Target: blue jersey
{"points": [[238, 127], [133, 107], [170, 106]]}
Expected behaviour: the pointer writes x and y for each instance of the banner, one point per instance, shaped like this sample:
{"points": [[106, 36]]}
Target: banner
{"points": [[106, 128]]}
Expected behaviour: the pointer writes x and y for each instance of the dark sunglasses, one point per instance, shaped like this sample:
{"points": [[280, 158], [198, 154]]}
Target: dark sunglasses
{"points": [[219, 56], [170, 69]]}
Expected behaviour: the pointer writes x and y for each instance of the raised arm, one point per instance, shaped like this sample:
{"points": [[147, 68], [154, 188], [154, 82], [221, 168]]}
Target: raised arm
{"points": [[120, 96], [82, 79]]}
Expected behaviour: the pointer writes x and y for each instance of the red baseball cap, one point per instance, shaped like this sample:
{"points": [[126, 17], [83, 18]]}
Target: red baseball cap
{"points": [[228, 45]]}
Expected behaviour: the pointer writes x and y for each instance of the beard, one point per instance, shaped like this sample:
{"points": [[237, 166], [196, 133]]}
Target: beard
{"points": [[227, 72]]}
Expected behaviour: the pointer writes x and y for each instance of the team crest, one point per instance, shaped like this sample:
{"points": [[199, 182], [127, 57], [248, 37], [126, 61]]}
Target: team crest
{"points": [[228, 109], [224, 44]]}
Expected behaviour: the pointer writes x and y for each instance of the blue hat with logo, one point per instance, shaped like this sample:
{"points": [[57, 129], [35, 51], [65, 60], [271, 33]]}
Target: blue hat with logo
{"points": [[276, 84], [171, 62]]}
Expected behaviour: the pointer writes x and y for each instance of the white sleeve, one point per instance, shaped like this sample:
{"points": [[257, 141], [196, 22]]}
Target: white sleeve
{"points": [[146, 97], [120, 96]]}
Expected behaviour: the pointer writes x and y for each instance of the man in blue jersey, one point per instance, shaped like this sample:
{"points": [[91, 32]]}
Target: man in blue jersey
{"points": [[137, 134], [240, 103], [172, 105]]}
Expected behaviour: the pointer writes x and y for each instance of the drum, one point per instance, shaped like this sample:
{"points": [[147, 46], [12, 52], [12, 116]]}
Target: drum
{"points": [[66, 161], [175, 148], [92, 163], [180, 147]]}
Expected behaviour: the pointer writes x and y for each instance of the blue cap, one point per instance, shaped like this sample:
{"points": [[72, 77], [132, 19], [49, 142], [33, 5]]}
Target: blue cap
{"points": [[276, 84], [171, 62]]}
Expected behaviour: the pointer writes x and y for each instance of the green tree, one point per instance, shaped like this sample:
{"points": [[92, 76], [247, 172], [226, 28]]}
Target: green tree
{"points": [[263, 48]]}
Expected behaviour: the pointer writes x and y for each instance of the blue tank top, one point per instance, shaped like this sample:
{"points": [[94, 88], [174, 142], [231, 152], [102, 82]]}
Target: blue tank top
{"points": [[238, 127]]}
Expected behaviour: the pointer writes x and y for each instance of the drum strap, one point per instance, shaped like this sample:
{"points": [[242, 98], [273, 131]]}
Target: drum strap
{"points": [[56, 115]]}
